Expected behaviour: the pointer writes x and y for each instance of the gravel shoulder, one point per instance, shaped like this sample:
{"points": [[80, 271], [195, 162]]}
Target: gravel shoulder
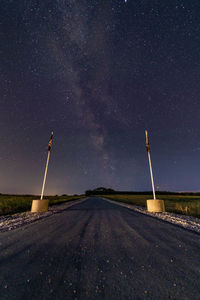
{"points": [[9, 222], [187, 222]]}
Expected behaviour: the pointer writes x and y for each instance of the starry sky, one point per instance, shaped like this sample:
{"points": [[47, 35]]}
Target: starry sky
{"points": [[98, 73]]}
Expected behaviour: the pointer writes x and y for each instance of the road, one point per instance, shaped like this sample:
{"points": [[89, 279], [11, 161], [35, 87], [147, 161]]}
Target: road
{"points": [[99, 250]]}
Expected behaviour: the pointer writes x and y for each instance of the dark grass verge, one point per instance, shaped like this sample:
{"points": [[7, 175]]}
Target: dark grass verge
{"points": [[11, 204], [181, 204]]}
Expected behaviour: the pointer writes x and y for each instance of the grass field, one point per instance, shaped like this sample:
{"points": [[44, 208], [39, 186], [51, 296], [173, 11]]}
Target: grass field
{"points": [[187, 205], [182, 204], [10, 204]]}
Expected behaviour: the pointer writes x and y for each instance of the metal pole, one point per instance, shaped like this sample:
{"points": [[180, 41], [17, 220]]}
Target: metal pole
{"points": [[45, 175], [154, 195], [148, 151]]}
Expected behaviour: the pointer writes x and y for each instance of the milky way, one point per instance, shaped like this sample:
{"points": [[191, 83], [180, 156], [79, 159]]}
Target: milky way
{"points": [[98, 73]]}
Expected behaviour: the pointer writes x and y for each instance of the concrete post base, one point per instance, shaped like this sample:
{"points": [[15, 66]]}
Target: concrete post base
{"points": [[155, 205], [40, 205]]}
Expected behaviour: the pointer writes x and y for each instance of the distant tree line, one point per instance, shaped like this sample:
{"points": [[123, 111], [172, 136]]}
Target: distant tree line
{"points": [[100, 191], [109, 191]]}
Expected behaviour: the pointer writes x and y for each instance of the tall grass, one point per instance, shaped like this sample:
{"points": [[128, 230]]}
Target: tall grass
{"points": [[10, 204], [182, 204]]}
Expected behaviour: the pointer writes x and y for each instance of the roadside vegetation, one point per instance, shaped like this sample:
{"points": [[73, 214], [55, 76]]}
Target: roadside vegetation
{"points": [[177, 203], [10, 204]]}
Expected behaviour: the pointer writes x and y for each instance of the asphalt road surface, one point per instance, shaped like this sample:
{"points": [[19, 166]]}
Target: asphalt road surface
{"points": [[99, 250]]}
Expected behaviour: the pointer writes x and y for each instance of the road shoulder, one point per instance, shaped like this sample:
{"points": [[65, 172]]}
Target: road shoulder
{"points": [[186, 222], [10, 222]]}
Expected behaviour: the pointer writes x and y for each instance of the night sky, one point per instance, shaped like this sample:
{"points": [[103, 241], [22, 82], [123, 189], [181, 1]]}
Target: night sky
{"points": [[98, 73]]}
